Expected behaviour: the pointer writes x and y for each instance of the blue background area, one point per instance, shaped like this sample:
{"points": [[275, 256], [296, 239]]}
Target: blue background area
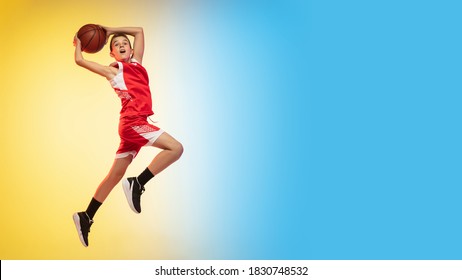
{"points": [[339, 129]]}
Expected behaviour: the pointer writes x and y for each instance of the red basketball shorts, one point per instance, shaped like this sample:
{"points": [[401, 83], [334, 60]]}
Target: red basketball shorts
{"points": [[136, 132]]}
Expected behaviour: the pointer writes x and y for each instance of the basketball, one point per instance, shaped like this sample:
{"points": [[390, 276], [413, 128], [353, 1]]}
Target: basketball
{"points": [[93, 38]]}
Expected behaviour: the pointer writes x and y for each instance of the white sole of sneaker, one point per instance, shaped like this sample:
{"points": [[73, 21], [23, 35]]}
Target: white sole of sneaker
{"points": [[128, 194], [76, 219]]}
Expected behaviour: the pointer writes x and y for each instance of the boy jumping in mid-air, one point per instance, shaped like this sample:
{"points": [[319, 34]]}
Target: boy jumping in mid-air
{"points": [[131, 83]]}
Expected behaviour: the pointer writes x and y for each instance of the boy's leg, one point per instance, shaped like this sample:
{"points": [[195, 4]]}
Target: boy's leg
{"points": [[84, 220], [134, 186], [114, 176], [172, 151]]}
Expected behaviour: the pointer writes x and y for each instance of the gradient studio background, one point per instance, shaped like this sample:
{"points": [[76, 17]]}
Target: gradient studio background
{"points": [[312, 130]]}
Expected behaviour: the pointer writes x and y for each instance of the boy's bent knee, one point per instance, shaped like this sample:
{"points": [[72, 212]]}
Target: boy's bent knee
{"points": [[178, 149]]}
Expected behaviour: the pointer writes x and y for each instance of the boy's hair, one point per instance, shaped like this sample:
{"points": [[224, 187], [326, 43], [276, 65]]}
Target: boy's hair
{"points": [[119, 35]]}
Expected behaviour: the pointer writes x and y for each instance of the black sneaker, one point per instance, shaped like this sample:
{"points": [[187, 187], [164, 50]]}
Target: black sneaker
{"points": [[83, 223], [133, 191]]}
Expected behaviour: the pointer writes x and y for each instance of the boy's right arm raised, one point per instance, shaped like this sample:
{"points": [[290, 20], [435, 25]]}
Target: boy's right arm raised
{"points": [[105, 71]]}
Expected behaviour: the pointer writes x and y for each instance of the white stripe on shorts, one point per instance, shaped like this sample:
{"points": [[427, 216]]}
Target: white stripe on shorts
{"points": [[122, 155], [152, 136]]}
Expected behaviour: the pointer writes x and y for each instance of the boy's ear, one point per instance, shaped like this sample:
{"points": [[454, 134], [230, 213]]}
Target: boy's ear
{"points": [[112, 55]]}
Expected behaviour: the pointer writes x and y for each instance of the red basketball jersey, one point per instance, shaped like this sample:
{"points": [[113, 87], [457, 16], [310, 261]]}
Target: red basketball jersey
{"points": [[132, 86]]}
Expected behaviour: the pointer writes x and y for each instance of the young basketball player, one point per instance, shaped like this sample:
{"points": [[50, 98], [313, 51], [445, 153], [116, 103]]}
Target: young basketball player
{"points": [[131, 83]]}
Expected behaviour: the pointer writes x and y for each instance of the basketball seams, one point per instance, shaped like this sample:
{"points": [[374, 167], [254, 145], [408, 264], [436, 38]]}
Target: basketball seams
{"points": [[99, 39], [102, 40], [91, 39], [91, 42]]}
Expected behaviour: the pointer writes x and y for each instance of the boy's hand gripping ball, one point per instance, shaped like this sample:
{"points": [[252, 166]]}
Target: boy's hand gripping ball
{"points": [[92, 37]]}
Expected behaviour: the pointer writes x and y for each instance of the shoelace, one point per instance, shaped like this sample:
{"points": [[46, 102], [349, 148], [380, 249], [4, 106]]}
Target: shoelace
{"points": [[142, 189], [90, 220]]}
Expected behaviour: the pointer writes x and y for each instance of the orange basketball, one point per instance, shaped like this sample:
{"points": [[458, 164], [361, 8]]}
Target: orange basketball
{"points": [[93, 37]]}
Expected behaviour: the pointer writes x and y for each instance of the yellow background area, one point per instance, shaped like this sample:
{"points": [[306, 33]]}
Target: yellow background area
{"points": [[59, 137]]}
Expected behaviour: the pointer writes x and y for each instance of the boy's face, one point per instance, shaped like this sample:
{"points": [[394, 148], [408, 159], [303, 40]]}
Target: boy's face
{"points": [[121, 49]]}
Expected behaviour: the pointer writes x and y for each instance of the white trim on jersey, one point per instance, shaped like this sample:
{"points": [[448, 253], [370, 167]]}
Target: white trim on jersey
{"points": [[118, 82]]}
